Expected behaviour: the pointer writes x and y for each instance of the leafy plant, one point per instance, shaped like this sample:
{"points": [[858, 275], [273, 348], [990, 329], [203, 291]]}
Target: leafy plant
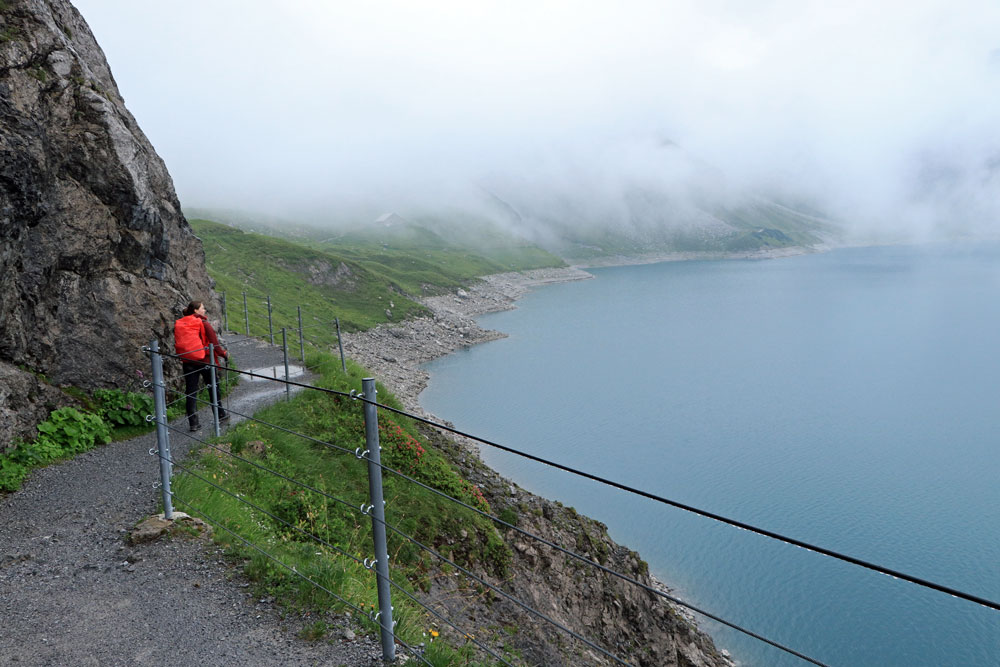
{"points": [[123, 408], [12, 474], [402, 452], [65, 433], [70, 432]]}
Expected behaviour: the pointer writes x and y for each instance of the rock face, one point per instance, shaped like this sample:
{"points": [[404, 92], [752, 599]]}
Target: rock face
{"points": [[96, 258], [624, 619]]}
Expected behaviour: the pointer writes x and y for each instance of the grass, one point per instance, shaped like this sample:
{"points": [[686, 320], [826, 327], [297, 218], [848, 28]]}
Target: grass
{"points": [[290, 516], [325, 285], [364, 278]]}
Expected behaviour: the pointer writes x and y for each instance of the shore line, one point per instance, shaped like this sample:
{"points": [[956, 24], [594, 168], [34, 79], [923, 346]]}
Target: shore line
{"points": [[394, 352]]}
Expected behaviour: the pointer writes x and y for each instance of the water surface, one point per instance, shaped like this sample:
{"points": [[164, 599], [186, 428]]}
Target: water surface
{"points": [[847, 399]]}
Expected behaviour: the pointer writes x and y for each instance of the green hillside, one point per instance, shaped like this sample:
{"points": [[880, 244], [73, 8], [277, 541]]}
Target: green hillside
{"points": [[364, 277]]}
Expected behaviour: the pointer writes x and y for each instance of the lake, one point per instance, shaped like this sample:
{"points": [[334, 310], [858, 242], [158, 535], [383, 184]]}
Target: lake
{"points": [[848, 399]]}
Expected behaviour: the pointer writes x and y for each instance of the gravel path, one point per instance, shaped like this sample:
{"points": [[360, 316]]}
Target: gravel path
{"points": [[73, 591]]}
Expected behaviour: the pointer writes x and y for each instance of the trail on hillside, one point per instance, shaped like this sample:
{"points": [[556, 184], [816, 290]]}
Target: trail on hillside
{"points": [[73, 591]]}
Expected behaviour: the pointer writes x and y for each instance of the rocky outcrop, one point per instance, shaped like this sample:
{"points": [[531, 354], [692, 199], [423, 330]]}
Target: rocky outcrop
{"points": [[624, 619], [96, 257]]}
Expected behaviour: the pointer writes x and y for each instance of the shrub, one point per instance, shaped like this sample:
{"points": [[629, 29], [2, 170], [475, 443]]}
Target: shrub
{"points": [[12, 474], [66, 432], [120, 408]]}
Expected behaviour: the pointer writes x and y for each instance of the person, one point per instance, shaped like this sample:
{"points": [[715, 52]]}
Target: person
{"points": [[192, 335]]}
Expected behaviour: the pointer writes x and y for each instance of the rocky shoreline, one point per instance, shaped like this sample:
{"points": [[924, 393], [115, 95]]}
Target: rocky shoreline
{"points": [[394, 354]]}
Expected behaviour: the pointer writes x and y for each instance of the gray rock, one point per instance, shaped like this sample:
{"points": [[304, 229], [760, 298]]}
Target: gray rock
{"points": [[96, 257]]}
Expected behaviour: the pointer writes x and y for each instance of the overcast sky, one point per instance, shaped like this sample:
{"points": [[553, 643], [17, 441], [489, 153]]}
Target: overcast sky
{"points": [[281, 105]]}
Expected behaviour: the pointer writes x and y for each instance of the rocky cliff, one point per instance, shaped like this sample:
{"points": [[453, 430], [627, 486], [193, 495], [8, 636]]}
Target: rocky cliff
{"points": [[96, 257]]}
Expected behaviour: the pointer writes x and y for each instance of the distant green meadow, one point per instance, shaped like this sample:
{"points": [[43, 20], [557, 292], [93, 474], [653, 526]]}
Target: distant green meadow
{"points": [[362, 278]]}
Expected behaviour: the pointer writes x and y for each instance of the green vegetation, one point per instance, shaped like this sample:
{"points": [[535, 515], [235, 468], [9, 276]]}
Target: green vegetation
{"points": [[291, 516], [364, 278], [123, 408], [110, 414], [325, 285], [66, 433]]}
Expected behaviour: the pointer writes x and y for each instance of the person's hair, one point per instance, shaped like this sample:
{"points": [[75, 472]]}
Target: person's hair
{"points": [[191, 307]]}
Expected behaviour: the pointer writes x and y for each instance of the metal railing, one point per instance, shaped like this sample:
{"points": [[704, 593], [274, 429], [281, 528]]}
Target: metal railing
{"points": [[329, 325], [374, 508]]}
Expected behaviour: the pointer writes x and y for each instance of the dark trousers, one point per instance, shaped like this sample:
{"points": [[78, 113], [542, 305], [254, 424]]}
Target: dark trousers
{"points": [[194, 372]]}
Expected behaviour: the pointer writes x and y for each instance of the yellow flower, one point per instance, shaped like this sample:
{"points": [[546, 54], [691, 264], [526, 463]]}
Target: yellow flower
{"points": [[434, 633]]}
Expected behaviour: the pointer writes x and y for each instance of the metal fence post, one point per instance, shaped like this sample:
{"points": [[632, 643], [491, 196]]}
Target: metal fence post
{"points": [[246, 313], [302, 348], [160, 417], [270, 323], [213, 394], [284, 347], [343, 364], [225, 313], [378, 521]]}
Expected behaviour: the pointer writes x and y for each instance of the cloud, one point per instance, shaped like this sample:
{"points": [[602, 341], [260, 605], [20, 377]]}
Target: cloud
{"points": [[283, 106]]}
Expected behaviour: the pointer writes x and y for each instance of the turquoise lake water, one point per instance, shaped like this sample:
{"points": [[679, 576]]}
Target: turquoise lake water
{"points": [[848, 399]]}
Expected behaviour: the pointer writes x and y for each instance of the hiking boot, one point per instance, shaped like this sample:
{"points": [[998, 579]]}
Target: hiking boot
{"points": [[193, 423], [223, 416]]}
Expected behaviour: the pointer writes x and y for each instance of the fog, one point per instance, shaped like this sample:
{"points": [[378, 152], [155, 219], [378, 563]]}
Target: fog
{"points": [[882, 115]]}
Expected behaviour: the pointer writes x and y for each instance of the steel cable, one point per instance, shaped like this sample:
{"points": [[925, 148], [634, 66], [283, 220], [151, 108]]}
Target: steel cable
{"points": [[577, 556], [315, 538], [503, 593], [444, 559], [442, 617], [676, 504], [294, 571], [710, 515], [489, 516], [603, 568], [260, 467]]}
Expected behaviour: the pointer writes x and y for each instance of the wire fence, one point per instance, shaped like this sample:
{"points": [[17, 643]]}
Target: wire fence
{"points": [[317, 336], [306, 332], [374, 506]]}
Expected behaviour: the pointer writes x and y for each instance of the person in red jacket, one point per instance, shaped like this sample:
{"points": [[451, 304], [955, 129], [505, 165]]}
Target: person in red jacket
{"points": [[192, 335]]}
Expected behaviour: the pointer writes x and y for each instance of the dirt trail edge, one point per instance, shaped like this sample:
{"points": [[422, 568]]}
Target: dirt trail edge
{"points": [[73, 591]]}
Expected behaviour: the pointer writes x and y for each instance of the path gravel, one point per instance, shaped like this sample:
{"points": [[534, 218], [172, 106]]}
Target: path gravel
{"points": [[73, 591]]}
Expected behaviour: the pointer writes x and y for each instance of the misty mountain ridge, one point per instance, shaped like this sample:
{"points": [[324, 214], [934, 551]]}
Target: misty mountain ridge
{"points": [[643, 199]]}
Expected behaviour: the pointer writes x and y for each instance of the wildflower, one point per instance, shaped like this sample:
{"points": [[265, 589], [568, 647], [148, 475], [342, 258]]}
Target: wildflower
{"points": [[434, 633]]}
